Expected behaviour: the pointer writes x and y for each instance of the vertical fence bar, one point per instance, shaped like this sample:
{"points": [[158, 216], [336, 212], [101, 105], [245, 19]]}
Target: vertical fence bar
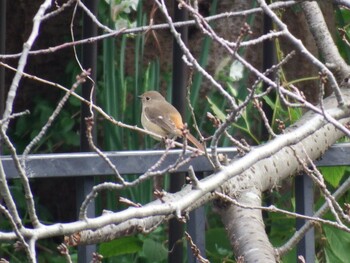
{"points": [[83, 188], [196, 229], [177, 180], [2, 51], [89, 60], [269, 58], [304, 200]]}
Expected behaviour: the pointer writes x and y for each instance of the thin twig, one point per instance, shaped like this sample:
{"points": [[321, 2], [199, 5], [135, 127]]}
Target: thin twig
{"points": [[317, 177], [242, 148], [274, 209], [258, 106], [320, 212], [67, 45], [190, 57], [64, 251], [89, 125], [23, 61], [30, 204], [142, 29], [15, 228], [194, 180], [94, 18], [14, 115], [54, 13], [80, 79], [195, 124]]}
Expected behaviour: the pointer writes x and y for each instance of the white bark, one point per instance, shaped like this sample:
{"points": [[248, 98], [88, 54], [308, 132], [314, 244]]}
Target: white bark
{"points": [[246, 229]]}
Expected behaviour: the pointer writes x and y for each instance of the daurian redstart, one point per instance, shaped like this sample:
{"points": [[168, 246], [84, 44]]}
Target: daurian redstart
{"points": [[162, 118]]}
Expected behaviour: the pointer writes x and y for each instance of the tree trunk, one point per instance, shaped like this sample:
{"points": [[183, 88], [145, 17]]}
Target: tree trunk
{"points": [[246, 229]]}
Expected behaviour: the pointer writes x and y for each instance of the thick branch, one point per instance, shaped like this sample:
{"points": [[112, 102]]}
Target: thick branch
{"points": [[246, 229], [263, 168], [323, 38]]}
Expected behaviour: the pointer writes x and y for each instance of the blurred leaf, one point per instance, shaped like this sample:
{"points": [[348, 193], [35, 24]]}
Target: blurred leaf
{"points": [[232, 89], [242, 124], [121, 246], [333, 175], [154, 251], [66, 124], [290, 257], [73, 139], [217, 111], [21, 126], [338, 244], [217, 244], [269, 102], [74, 101], [294, 114], [331, 257]]}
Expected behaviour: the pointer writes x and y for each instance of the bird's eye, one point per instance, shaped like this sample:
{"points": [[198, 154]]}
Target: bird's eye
{"points": [[148, 98], [346, 80]]}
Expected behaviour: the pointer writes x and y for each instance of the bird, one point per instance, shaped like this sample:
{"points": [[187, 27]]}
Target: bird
{"points": [[162, 118]]}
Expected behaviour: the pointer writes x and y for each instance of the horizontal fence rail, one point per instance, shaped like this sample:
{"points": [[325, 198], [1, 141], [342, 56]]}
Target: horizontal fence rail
{"points": [[134, 162]]}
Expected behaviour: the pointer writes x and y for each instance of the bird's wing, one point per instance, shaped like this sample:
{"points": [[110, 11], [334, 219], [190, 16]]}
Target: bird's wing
{"points": [[161, 119]]}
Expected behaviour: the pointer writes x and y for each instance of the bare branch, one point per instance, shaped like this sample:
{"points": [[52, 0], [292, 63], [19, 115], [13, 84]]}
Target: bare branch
{"points": [[80, 79]]}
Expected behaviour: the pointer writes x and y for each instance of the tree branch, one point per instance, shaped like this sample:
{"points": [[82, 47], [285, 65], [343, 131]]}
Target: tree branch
{"points": [[262, 168], [323, 38]]}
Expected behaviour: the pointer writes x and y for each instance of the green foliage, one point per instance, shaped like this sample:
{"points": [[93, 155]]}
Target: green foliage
{"points": [[333, 175], [218, 247], [338, 244], [121, 246], [198, 78], [343, 21], [249, 121], [154, 251], [286, 114], [145, 249], [66, 123], [243, 124]]}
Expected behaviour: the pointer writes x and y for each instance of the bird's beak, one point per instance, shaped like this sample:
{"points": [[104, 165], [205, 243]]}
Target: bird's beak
{"points": [[139, 96]]}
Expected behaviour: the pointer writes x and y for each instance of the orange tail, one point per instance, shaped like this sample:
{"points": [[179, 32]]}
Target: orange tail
{"points": [[196, 143]]}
